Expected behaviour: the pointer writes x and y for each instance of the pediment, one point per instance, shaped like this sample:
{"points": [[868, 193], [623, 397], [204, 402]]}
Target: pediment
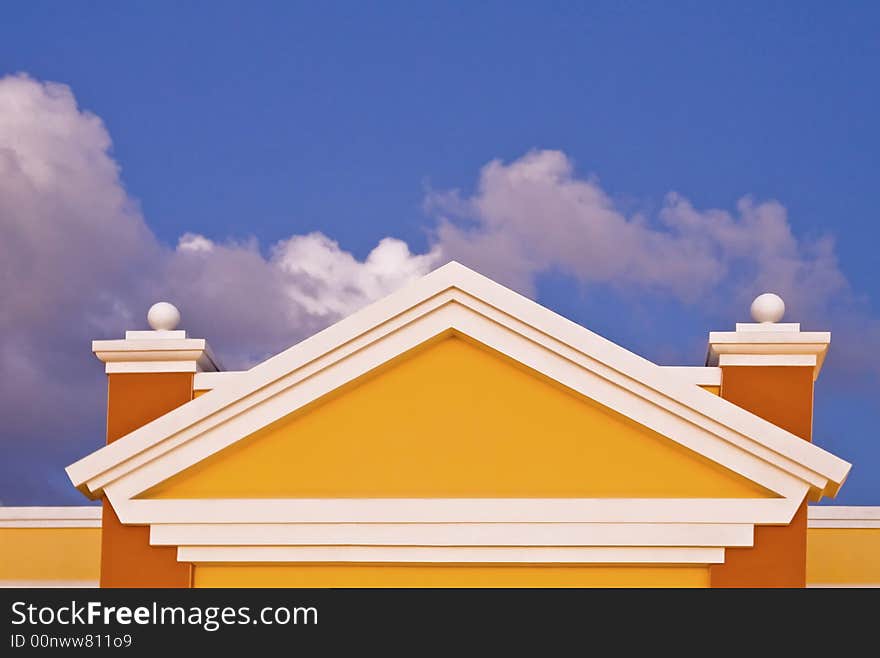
{"points": [[453, 418], [456, 301]]}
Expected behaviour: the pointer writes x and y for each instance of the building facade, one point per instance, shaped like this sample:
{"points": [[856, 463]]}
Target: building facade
{"points": [[455, 433]]}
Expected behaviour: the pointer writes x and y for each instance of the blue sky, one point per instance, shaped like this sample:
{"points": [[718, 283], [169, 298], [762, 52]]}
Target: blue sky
{"points": [[270, 120]]}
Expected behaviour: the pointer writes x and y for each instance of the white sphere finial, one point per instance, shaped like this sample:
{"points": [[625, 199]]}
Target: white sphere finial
{"points": [[163, 316], [768, 307]]}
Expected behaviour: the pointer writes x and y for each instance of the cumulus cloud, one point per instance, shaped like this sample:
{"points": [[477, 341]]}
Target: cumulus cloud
{"points": [[535, 214], [78, 261], [252, 306]]}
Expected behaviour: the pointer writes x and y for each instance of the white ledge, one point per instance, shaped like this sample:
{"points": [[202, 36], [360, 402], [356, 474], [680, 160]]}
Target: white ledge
{"points": [[207, 381], [697, 375], [768, 345], [165, 352], [841, 516], [50, 517]]}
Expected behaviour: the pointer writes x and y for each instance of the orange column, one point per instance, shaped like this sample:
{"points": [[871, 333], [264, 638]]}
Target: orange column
{"points": [[769, 369], [149, 373], [127, 559]]}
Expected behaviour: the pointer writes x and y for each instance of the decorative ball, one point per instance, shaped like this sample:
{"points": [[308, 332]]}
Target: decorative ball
{"points": [[163, 316], [768, 307]]}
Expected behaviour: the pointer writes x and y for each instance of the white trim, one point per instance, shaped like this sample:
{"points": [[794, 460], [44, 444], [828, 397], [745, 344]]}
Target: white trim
{"points": [[768, 345], [50, 517], [456, 554], [841, 516], [697, 375], [804, 360], [151, 334], [768, 326], [119, 367], [206, 381], [455, 298], [771, 511], [51, 524], [161, 352], [35, 584], [844, 523], [454, 534]]}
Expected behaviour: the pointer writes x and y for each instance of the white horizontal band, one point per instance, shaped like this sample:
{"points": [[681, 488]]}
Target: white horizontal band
{"points": [[454, 534], [461, 510], [174, 334], [206, 381], [536, 555], [843, 512], [52, 523], [844, 523], [50, 517], [698, 375], [808, 360], [117, 367]]}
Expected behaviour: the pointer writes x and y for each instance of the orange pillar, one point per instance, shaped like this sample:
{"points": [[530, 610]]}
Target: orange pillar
{"points": [[769, 369], [149, 373]]}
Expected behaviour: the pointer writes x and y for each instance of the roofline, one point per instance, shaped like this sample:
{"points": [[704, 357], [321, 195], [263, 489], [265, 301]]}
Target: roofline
{"points": [[791, 450]]}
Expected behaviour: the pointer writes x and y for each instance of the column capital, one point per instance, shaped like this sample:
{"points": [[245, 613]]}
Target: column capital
{"points": [[162, 349]]}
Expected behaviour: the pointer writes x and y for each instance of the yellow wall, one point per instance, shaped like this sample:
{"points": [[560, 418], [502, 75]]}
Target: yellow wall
{"points": [[845, 556], [454, 419], [323, 575], [50, 554]]}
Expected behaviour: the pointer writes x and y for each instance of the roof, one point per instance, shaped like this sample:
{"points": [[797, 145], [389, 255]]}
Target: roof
{"points": [[456, 299]]}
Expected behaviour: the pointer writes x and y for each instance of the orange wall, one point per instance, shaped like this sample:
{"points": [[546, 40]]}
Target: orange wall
{"points": [[127, 559], [782, 395]]}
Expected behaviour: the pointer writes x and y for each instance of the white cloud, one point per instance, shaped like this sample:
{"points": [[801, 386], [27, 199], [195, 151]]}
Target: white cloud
{"points": [[78, 261], [534, 215]]}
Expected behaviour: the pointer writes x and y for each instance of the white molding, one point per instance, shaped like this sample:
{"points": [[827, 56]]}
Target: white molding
{"points": [[155, 352], [697, 375], [50, 517], [454, 534], [803, 360], [842, 516], [36, 584], [772, 511], [768, 326], [768, 345], [206, 381], [844, 523], [58, 523], [119, 367], [455, 554], [455, 298], [152, 334]]}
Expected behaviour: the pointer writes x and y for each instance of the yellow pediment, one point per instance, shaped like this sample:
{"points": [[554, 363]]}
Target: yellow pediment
{"points": [[451, 419]]}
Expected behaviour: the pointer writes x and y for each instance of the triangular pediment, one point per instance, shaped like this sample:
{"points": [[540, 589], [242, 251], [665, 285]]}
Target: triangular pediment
{"points": [[454, 419], [456, 300]]}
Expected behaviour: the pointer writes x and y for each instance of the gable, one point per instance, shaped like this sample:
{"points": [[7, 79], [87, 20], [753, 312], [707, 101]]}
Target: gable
{"points": [[456, 299], [453, 418]]}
